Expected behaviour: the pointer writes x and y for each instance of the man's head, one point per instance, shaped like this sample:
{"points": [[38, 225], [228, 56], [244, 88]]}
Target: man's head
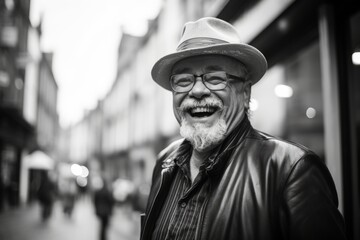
{"points": [[210, 76], [210, 96]]}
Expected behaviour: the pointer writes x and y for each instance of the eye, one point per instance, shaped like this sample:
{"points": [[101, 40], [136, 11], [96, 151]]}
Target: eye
{"points": [[182, 80], [215, 78]]}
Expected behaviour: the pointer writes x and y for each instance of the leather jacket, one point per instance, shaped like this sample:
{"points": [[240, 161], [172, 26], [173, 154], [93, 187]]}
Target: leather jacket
{"points": [[261, 188]]}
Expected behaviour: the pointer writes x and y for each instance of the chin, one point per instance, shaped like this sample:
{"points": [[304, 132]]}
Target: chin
{"points": [[202, 136]]}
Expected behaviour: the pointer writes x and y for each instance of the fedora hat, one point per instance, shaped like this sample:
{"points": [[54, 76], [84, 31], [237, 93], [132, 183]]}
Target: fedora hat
{"points": [[210, 36]]}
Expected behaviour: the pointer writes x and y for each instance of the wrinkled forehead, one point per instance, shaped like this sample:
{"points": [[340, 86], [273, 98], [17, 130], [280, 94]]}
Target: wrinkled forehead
{"points": [[209, 63]]}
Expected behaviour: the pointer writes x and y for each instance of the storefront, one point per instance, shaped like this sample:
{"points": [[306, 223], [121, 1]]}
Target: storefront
{"points": [[15, 134], [311, 92]]}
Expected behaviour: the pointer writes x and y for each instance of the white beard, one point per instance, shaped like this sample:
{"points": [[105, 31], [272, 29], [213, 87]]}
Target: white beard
{"points": [[201, 136]]}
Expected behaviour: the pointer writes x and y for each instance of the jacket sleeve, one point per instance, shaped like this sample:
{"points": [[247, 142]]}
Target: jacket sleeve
{"points": [[310, 204]]}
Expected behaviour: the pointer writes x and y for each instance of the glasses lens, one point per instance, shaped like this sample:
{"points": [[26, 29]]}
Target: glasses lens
{"points": [[182, 82], [215, 80]]}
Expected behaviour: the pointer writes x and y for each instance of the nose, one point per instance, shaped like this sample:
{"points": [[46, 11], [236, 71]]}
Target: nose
{"points": [[199, 90]]}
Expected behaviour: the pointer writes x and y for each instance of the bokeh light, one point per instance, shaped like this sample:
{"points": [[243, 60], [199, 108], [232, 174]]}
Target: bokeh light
{"points": [[76, 169], [254, 104], [84, 171], [356, 58], [283, 91], [310, 112], [81, 181]]}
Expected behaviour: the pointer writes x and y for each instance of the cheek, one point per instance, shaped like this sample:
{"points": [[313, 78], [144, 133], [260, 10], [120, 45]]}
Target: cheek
{"points": [[177, 100], [232, 100], [234, 108]]}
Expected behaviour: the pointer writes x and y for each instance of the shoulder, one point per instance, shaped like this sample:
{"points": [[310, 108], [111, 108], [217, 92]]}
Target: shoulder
{"points": [[272, 146], [276, 153], [288, 160], [168, 153], [170, 149]]}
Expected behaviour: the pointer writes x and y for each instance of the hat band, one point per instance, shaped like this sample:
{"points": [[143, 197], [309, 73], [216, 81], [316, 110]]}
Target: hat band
{"points": [[198, 43]]}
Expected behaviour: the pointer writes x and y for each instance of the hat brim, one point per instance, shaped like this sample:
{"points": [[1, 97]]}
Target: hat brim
{"points": [[251, 57]]}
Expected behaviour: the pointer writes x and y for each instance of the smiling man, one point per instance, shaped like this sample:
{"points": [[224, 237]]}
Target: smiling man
{"points": [[226, 180], [205, 102]]}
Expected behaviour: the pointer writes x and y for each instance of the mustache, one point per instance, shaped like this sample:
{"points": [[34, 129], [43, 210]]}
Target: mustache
{"points": [[188, 104]]}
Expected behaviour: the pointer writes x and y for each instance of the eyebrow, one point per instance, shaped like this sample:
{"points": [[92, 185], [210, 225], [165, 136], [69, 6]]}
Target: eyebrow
{"points": [[214, 68], [181, 70], [208, 69]]}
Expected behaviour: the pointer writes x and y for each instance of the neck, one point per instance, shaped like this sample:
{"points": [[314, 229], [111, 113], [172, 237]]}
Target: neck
{"points": [[199, 157]]}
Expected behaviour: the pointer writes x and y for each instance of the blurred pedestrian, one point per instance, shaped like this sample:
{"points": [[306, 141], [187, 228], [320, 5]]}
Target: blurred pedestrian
{"points": [[46, 195], [69, 195], [225, 179], [104, 203]]}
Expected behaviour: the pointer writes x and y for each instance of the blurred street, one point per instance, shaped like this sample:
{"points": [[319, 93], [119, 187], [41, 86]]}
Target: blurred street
{"points": [[79, 109], [25, 223]]}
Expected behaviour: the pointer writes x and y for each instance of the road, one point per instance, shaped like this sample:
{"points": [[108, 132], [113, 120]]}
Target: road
{"points": [[24, 223]]}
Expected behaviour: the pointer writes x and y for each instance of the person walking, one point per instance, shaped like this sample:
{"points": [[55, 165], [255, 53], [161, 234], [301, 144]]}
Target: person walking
{"points": [[46, 195], [104, 203]]}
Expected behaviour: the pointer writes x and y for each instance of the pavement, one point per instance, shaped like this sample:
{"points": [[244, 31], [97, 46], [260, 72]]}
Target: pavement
{"points": [[24, 223]]}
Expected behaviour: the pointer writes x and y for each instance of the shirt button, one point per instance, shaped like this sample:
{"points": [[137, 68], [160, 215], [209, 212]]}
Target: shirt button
{"points": [[183, 204]]}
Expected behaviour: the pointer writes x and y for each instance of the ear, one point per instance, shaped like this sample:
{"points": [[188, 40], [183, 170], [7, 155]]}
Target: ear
{"points": [[247, 94]]}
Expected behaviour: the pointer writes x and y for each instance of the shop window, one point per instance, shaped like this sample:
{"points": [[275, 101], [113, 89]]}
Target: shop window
{"points": [[353, 194], [288, 100]]}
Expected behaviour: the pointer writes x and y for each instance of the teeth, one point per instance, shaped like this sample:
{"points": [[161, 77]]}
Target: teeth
{"points": [[201, 109]]}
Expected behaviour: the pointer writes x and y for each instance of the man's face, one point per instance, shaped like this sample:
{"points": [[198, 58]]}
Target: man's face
{"points": [[210, 115]]}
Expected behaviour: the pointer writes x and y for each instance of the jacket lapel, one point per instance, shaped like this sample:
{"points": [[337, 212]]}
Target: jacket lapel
{"points": [[156, 202]]}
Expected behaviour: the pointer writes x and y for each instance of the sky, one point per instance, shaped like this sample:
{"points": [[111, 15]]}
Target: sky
{"points": [[84, 36]]}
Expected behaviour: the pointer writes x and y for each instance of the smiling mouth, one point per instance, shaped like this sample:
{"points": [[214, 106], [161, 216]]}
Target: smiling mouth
{"points": [[200, 112]]}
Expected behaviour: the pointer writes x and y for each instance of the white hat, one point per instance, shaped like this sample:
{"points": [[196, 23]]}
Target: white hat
{"points": [[210, 36]]}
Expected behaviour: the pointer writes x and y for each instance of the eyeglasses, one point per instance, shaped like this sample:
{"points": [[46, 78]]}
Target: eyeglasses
{"points": [[213, 81]]}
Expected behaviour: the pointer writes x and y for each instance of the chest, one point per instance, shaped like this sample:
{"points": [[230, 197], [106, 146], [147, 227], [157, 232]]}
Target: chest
{"points": [[243, 202], [182, 208]]}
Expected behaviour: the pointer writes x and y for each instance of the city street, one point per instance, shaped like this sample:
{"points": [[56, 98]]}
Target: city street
{"points": [[25, 223]]}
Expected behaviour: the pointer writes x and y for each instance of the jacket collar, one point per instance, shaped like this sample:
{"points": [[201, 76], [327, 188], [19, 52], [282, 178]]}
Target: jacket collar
{"points": [[219, 159]]}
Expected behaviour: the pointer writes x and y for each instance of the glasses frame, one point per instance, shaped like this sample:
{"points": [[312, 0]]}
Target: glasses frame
{"points": [[228, 77]]}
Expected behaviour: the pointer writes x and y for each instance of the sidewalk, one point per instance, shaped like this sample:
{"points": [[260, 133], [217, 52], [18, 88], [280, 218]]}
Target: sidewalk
{"points": [[25, 224]]}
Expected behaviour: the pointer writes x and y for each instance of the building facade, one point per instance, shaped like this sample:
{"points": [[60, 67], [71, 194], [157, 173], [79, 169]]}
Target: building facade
{"points": [[28, 99], [15, 131]]}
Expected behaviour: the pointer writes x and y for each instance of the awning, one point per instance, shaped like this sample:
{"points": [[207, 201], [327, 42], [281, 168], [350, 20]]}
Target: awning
{"points": [[39, 160]]}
